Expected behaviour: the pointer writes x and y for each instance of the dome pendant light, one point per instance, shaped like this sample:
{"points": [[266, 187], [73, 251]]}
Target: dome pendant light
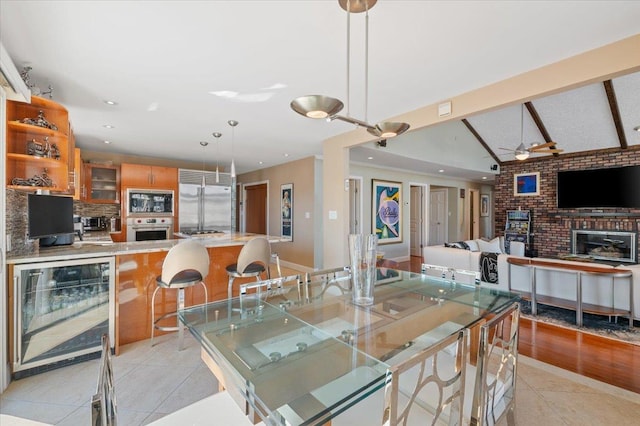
{"points": [[320, 106], [233, 124], [217, 136], [203, 144]]}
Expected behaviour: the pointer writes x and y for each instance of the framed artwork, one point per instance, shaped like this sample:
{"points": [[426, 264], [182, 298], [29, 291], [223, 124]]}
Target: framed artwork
{"points": [[484, 205], [286, 211], [526, 184], [386, 206]]}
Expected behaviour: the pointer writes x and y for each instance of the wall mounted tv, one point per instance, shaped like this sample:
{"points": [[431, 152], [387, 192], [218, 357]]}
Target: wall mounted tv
{"points": [[49, 215], [616, 187]]}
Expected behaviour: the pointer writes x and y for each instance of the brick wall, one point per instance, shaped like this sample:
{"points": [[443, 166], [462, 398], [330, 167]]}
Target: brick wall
{"points": [[551, 226]]}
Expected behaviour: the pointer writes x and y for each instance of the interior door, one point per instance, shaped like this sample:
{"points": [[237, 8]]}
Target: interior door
{"points": [[416, 220], [355, 206], [437, 217], [255, 208]]}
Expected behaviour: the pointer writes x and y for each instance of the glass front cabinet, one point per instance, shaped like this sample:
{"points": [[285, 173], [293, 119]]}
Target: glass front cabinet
{"points": [[61, 311]]}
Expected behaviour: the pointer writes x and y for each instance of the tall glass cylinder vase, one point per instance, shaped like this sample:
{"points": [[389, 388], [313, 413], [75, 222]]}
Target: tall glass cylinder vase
{"points": [[362, 252]]}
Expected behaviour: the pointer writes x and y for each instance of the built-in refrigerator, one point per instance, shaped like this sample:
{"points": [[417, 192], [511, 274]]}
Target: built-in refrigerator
{"points": [[204, 204]]}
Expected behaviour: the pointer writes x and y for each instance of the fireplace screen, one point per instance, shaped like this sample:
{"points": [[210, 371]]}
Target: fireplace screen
{"points": [[604, 245]]}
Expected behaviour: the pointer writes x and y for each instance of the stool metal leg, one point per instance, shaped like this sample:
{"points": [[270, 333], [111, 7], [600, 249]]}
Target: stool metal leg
{"points": [[230, 287], [180, 305], [153, 313]]}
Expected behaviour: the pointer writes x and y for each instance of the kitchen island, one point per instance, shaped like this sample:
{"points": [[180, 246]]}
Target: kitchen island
{"points": [[137, 264]]}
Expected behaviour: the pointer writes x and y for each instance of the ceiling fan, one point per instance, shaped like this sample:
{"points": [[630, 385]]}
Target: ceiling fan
{"points": [[522, 153]]}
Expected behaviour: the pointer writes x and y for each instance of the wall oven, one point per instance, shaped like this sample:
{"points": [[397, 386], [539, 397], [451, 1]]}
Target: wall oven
{"points": [[149, 228], [149, 202]]}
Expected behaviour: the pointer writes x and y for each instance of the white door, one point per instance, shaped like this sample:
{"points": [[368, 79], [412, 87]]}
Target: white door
{"points": [[355, 206], [474, 214], [416, 220], [437, 217]]}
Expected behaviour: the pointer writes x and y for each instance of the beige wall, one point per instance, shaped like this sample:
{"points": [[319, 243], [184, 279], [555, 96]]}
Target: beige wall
{"points": [[301, 174], [595, 65]]}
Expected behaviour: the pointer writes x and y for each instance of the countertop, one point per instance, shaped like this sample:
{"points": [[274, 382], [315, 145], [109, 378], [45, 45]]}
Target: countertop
{"points": [[101, 247]]}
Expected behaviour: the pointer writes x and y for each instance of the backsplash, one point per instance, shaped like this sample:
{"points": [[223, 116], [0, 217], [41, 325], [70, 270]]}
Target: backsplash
{"points": [[81, 208], [17, 224]]}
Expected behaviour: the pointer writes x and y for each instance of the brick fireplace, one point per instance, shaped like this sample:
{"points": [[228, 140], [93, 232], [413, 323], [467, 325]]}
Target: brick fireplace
{"points": [[552, 227]]}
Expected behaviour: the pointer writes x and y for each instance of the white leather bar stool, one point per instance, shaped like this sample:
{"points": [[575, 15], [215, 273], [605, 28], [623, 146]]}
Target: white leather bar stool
{"points": [[186, 265], [253, 260]]}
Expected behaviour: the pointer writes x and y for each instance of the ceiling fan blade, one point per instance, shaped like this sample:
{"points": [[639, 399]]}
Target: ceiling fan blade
{"points": [[555, 151], [508, 149], [542, 146]]}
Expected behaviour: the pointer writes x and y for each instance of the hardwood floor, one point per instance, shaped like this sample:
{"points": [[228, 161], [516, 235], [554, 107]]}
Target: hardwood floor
{"points": [[600, 358]]}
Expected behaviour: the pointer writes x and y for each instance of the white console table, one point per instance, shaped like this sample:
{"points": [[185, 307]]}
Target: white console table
{"points": [[579, 270]]}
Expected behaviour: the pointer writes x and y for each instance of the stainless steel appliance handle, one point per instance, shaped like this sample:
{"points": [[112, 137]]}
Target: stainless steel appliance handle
{"points": [[17, 320]]}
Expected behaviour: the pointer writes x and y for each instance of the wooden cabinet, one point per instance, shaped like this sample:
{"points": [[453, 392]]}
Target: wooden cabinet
{"points": [[101, 183], [143, 176], [36, 152]]}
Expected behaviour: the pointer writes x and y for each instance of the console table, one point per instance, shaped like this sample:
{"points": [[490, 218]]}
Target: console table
{"points": [[579, 270]]}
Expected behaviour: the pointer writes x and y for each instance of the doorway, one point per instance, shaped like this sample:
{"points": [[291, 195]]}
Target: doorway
{"points": [[416, 221], [355, 205], [438, 218], [255, 208], [474, 214]]}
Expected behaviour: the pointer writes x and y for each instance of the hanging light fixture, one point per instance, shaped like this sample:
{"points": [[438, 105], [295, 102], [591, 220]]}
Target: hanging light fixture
{"points": [[233, 124], [217, 136], [521, 152], [203, 144], [320, 106]]}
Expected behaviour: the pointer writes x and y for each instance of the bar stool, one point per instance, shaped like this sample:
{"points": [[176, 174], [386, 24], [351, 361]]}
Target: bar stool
{"points": [[186, 265], [253, 260]]}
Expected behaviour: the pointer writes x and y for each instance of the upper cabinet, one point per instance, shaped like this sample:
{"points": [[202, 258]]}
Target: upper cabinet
{"points": [[101, 183], [142, 176], [38, 145]]}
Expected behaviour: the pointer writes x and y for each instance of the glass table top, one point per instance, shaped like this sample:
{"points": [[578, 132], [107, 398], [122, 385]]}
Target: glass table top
{"points": [[303, 354]]}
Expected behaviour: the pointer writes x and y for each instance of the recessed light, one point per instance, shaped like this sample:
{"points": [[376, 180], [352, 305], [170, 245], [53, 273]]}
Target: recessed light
{"points": [[108, 126], [260, 162], [108, 102], [484, 178], [286, 155], [107, 142], [369, 158], [441, 171], [637, 128]]}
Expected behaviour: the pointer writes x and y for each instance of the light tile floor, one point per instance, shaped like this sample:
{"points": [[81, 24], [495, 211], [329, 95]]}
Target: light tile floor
{"points": [[151, 382]]}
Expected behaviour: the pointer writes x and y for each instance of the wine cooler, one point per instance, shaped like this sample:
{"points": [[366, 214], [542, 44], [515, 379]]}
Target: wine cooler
{"points": [[61, 311]]}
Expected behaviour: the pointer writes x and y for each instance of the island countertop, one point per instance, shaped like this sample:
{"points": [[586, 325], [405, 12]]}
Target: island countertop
{"points": [[98, 248]]}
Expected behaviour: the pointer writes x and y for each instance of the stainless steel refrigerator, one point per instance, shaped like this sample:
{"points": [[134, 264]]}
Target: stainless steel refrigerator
{"points": [[204, 205]]}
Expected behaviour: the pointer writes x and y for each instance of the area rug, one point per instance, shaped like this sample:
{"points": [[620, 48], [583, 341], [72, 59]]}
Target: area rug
{"points": [[594, 324]]}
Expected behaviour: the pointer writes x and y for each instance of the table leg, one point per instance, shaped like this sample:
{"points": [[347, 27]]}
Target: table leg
{"points": [[579, 299], [474, 341]]}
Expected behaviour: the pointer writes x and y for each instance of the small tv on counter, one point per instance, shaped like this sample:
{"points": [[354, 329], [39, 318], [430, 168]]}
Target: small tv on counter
{"points": [[49, 216], [615, 187]]}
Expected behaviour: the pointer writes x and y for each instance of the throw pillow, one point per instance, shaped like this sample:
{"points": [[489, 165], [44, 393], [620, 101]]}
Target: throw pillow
{"points": [[458, 245], [492, 246], [473, 245]]}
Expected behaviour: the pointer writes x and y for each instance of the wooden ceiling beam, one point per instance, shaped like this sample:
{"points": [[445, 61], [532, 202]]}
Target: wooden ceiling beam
{"points": [[482, 142], [539, 124], [615, 113]]}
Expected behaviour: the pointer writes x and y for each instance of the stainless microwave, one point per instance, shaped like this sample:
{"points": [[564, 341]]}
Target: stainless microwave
{"points": [[149, 202]]}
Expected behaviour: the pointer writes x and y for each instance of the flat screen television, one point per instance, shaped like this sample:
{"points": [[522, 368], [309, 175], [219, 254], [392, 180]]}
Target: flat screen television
{"points": [[49, 215], [615, 187]]}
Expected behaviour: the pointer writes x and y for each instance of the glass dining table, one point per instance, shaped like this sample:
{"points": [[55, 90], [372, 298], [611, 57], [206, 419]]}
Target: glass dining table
{"points": [[295, 353]]}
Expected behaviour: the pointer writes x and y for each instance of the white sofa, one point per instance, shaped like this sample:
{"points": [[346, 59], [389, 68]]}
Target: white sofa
{"points": [[596, 290]]}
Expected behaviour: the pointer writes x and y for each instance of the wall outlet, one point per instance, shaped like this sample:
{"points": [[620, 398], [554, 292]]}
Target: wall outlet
{"points": [[8, 242]]}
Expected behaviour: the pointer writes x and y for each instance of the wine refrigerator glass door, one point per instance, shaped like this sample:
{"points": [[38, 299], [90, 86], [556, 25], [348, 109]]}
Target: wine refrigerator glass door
{"points": [[61, 310]]}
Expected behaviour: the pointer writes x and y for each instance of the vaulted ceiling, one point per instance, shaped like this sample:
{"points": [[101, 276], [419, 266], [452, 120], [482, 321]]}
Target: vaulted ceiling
{"points": [[179, 70]]}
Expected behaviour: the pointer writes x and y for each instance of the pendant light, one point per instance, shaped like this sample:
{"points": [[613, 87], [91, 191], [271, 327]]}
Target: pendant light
{"points": [[320, 106], [521, 152], [233, 124], [203, 144], [217, 136]]}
